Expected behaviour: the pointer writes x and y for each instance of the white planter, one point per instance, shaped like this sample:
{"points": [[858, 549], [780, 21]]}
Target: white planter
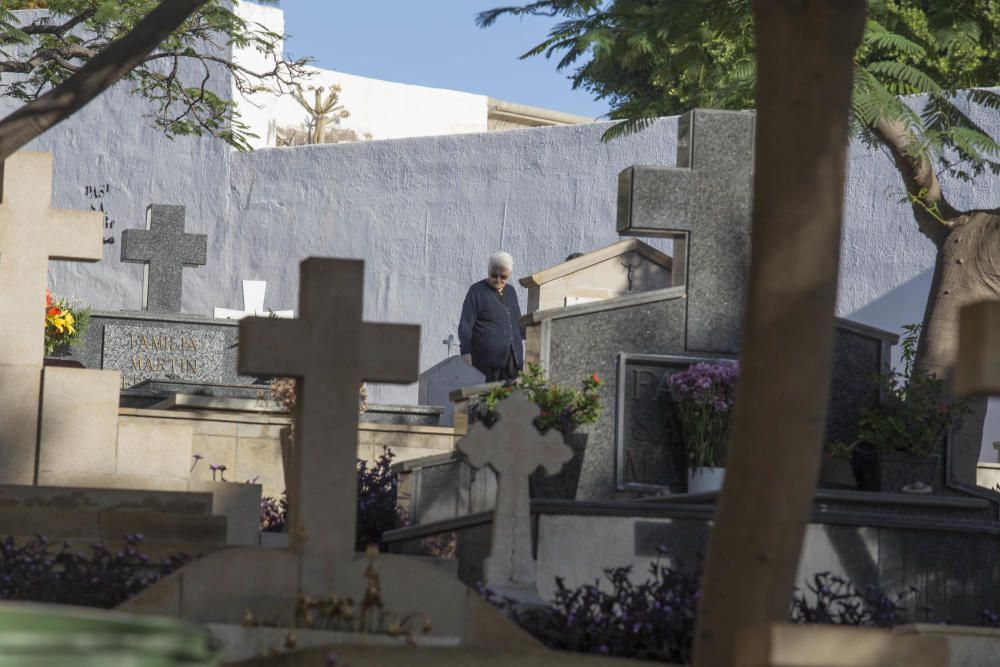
{"points": [[705, 480]]}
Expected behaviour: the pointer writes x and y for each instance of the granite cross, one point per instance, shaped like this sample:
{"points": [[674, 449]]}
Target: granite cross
{"points": [[704, 204], [253, 304], [32, 233], [514, 448], [331, 352], [164, 249]]}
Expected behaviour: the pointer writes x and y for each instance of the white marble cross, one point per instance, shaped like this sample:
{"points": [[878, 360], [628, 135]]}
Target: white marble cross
{"points": [[331, 351], [253, 304], [514, 448], [32, 233]]}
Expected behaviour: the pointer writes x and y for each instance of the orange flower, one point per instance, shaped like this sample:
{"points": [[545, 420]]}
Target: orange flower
{"points": [[48, 297], [54, 311]]}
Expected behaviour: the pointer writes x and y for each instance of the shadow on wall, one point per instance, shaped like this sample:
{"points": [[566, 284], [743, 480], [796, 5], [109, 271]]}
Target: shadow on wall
{"points": [[905, 305]]}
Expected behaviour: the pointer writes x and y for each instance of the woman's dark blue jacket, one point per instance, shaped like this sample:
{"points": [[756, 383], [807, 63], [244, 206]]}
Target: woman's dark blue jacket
{"points": [[489, 325]]}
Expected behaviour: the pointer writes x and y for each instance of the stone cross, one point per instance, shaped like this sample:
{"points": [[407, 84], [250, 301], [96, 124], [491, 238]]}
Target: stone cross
{"points": [[514, 449], [32, 233], [977, 371], [704, 204], [331, 352], [253, 304], [164, 249], [450, 342]]}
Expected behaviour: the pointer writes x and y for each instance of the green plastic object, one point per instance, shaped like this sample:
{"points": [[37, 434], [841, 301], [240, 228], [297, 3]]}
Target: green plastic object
{"points": [[41, 635]]}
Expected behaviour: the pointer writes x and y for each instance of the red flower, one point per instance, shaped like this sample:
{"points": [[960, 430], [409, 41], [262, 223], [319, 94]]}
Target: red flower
{"points": [[595, 378], [48, 297], [53, 311]]}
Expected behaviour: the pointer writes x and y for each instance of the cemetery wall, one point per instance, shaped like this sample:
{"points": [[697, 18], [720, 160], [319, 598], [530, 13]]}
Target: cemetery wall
{"points": [[424, 213]]}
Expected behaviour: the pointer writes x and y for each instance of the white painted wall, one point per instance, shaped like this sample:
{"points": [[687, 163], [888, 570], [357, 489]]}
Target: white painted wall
{"points": [[379, 109], [425, 213]]}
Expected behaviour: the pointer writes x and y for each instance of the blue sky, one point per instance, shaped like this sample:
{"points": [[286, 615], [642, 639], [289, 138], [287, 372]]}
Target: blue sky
{"points": [[434, 43]]}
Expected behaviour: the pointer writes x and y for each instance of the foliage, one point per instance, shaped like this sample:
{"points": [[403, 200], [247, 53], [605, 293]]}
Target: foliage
{"points": [[915, 411], [834, 600], [838, 450], [181, 79], [655, 619], [274, 513], [378, 503], [34, 572], [653, 58], [561, 408], [65, 323], [703, 399]]}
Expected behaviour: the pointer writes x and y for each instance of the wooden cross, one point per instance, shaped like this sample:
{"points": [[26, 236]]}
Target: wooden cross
{"points": [[165, 249], [32, 233], [514, 449], [253, 304], [331, 352], [705, 205]]}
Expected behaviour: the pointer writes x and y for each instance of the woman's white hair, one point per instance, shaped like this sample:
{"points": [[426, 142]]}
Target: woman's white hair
{"points": [[501, 260]]}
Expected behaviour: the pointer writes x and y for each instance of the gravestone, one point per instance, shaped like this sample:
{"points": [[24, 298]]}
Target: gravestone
{"points": [[704, 204], [164, 249], [330, 350], [32, 421], [437, 382], [514, 448], [253, 304]]}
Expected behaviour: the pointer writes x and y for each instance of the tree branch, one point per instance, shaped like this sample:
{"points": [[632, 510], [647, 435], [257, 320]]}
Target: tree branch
{"points": [[930, 208], [46, 28], [107, 68]]}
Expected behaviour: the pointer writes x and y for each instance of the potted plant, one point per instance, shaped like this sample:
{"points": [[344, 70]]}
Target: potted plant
{"points": [[904, 432], [561, 408], [703, 398], [835, 469]]}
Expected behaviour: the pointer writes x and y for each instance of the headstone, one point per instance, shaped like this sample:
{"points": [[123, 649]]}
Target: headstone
{"points": [[164, 353], [253, 303], [625, 267], [331, 351], [704, 204], [31, 233], [514, 448], [649, 445], [437, 382], [164, 248]]}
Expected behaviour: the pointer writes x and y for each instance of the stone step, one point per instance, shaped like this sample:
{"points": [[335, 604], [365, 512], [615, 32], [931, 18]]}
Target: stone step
{"points": [[110, 524], [81, 498]]}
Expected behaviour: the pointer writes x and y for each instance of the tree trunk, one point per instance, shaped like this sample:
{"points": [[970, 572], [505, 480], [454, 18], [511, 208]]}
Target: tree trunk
{"points": [[805, 66], [966, 270]]}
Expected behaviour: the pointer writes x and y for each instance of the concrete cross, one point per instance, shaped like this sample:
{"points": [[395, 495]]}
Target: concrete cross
{"points": [[165, 249], [704, 204], [977, 370], [253, 304], [450, 342], [514, 448], [32, 233], [331, 352]]}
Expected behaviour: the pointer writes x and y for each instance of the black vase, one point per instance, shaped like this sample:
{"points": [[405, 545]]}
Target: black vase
{"points": [[563, 484]]}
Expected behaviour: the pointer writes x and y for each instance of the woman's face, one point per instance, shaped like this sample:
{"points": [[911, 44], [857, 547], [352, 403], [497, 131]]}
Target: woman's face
{"points": [[498, 278]]}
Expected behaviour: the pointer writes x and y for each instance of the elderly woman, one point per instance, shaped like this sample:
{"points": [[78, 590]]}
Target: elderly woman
{"points": [[489, 332]]}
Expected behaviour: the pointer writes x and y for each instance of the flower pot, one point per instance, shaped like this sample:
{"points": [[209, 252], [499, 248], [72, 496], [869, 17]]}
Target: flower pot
{"points": [[563, 484], [896, 470], [705, 480], [836, 473]]}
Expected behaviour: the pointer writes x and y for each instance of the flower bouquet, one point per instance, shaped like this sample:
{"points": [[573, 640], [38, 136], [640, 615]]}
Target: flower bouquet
{"points": [[65, 323], [703, 398]]}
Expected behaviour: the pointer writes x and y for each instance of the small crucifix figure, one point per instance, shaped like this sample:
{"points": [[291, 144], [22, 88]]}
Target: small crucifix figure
{"points": [[165, 249], [514, 448], [253, 304], [331, 352], [450, 342]]}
